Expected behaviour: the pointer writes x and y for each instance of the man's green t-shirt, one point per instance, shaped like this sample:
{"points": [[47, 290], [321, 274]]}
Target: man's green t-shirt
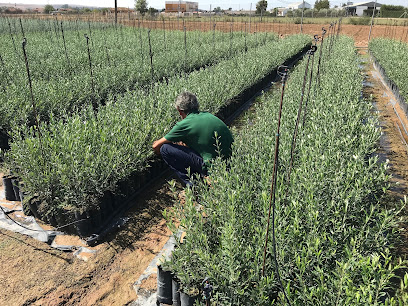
{"points": [[198, 132]]}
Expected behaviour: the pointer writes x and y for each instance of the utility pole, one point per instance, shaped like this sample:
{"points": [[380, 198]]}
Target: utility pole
{"points": [[372, 21]]}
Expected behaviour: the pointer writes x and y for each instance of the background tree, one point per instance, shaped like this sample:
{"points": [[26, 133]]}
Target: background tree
{"points": [[48, 9], [141, 6], [322, 4], [261, 6], [217, 9]]}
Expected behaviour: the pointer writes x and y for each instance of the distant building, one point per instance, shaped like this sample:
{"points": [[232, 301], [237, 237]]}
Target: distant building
{"points": [[357, 9], [180, 6], [282, 11], [299, 5]]}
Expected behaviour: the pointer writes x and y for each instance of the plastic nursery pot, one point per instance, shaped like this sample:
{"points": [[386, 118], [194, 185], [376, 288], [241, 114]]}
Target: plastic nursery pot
{"points": [[22, 194], [83, 224], [8, 188], [164, 286], [51, 220], [188, 300], [26, 208], [106, 205], [96, 217], [33, 205], [16, 189], [175, 288]]}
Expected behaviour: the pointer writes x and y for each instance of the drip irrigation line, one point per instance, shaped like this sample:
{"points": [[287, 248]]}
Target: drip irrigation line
{"points": [[94, 106], [316, 39], [65, 47], [151, 54], [295, 131], [24, 43], [22, 29], [185, 47], [320, 56], [12, 38], [42, 230], [283, 72]]}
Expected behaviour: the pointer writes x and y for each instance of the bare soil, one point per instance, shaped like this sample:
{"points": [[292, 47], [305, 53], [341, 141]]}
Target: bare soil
{"points": [[360, 33], [393, 145], [35, 274]]}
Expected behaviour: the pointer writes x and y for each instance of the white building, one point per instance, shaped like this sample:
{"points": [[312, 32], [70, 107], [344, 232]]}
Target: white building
{"points": [[299, 5], [282, 11], [359, 8]]}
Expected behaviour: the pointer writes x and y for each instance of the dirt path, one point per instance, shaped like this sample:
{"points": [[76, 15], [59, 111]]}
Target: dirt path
{"points": [[393, 144], [36, 274], [359, 33]]}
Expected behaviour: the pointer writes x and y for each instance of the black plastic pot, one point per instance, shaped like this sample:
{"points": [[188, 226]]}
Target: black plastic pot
{"points": [[175, 288], [164, 286], [187, 300], [26, 208], [33, 205], [96, 217], [83, 226], [106, 205], [22, 194], [16, 189], [8, 188], [51, 220]]}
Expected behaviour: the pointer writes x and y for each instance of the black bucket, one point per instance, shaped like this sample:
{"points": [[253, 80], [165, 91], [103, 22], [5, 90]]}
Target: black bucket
{"points": [[83, 226], [175, 287], [187, 300], [8, 188], [164, 286], [16, 189], [33, 205]]}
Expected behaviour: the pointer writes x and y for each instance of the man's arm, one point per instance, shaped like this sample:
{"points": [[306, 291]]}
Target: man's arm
{"points": [[158, 143]]}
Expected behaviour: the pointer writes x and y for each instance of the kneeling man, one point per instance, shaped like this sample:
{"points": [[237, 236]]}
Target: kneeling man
{"points": [[193, 141]]}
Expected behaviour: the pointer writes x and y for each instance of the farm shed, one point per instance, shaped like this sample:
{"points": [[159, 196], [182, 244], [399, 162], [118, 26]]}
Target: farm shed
{"points": [[358, 9]]}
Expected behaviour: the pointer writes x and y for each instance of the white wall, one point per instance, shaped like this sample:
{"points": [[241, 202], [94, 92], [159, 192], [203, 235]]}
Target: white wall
{"points": [[360, 10]]}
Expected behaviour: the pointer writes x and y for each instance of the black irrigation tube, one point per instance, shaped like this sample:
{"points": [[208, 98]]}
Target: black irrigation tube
{"points": [[94, 225], [394, 88]]}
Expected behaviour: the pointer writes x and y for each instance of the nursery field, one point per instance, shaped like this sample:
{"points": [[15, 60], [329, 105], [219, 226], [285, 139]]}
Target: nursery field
{"points": [[81, 104]]}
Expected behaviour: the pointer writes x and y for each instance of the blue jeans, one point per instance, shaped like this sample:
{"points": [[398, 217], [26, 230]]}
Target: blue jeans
{"points": [[180, 158]]}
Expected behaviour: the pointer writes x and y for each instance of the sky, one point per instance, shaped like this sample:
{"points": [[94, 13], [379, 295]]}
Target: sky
{"points": [[202, 4]]}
